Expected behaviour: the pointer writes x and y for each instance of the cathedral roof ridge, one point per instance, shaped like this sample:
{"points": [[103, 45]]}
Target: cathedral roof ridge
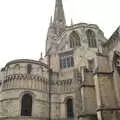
{"points": [[65, 51]]}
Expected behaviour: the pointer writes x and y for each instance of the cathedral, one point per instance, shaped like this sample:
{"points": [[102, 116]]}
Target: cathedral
{"points": [[78, 79]]}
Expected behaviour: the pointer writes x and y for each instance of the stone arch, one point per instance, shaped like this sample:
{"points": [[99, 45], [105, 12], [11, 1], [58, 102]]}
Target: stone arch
{"points": [[91, 38], [26, 103], [74, 39], [69, 107]]}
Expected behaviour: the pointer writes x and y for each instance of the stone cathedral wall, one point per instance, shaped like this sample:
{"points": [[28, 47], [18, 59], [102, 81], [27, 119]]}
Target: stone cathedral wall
{"points": [[60, 91]]}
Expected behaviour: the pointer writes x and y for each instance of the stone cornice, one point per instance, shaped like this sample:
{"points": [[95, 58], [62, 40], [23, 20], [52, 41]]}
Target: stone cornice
{"points": [[103, 73], [24, 77], [45, 92], [9, 99], [82, 25], [27, 61], [23, 118], [63, 93], [86, 115], [108, 108]]}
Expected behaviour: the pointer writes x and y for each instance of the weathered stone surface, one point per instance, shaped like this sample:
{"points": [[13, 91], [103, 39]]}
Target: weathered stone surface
{"points": [[81, 66]]}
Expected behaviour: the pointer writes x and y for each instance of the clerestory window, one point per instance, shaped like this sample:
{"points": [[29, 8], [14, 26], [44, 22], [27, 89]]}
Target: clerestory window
{"points": [[74, 39], [91, 38]]}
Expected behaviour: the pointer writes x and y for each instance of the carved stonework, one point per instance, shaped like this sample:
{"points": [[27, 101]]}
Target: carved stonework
{"points": [[116, 61]]}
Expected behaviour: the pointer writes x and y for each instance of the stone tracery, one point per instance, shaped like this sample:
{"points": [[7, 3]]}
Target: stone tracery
{"points": [[74, 39]]}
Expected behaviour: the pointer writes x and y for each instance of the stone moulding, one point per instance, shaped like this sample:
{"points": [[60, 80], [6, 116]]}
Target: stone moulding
{"points": [[104, 73], [87, 115], [108, 109], [23, 118], [26, 61], [24, 77]]}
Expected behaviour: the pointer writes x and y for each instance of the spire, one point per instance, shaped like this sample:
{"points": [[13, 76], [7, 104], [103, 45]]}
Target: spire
{"points": [[59, 18], [57, 26], [59, 12]]}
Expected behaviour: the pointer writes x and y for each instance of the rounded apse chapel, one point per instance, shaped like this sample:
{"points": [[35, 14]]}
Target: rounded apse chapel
{"points": [[24, 90]]}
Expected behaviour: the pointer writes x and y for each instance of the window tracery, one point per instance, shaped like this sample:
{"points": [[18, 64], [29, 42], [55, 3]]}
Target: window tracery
{"points": [[74, 39], [66, 61], [91, 38]]}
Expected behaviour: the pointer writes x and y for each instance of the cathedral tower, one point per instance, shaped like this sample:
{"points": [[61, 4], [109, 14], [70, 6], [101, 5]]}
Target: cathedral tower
{"points": [[57, 26]]}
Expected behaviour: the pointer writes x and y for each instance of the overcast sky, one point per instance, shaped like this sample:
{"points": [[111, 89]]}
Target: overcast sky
{"points": [[24, 23]]}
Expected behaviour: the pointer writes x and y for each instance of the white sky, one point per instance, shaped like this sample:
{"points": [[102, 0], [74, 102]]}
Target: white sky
{"points": [[24, 23]]}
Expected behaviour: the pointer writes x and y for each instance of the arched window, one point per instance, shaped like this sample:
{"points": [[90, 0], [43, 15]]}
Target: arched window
{"points": [[69, 106], [74, 39], [91, 38], [29, 68], [26, 105]]}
